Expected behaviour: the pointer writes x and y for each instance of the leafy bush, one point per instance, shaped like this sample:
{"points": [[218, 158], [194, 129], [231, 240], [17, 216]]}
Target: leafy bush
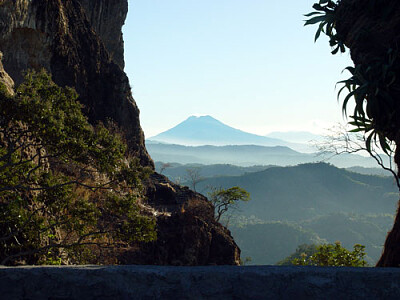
{"points": [[66, 187], [302, 251], [333, 255]]}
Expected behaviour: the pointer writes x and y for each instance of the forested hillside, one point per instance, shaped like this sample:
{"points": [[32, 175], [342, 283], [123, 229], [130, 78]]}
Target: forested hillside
{"points": [[310, 190], [304, 204], [249, 155]]}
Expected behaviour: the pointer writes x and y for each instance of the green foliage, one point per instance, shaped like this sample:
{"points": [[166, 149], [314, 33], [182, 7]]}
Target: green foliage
{"points": [[66, 187], [269, 242], [227, 199], [325, 15], [371, 88], [303, 250], [333, 255], [371, 85]]}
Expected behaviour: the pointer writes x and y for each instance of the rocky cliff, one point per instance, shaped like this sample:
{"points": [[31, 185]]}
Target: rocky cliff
{"points": [[59, 36], [5, 78], [80, 43], [371, 30]]}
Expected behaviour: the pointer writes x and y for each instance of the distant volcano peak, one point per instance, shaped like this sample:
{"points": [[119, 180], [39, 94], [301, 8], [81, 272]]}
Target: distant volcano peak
{"points": [[206, 130]]}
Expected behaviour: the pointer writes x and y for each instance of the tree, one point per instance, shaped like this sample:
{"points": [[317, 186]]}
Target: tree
{"points": [[224, 200], [164, 166], [374, 83], [193, 177], [333, 255], [66, 188], [341, 140]]}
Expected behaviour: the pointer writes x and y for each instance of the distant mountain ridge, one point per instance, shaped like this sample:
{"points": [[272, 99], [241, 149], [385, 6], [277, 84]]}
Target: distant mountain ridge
{"points": [[247, 155], [309, 190], [206, 130]]}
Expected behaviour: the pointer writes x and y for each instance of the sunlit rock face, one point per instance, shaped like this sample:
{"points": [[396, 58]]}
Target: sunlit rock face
{"points": [[107, 18], [5, 78], [61, 37]]}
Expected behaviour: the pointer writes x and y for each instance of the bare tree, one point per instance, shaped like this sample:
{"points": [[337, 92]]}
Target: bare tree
{"points": [[193, 177], [342, 140], [164, 166]]}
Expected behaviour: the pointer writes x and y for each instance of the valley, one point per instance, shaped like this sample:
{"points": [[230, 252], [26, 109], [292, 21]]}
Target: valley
{"points": [[296, 198]]}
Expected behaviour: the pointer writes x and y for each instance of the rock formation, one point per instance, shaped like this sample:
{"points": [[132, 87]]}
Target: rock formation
{"points": [[5, 78], [107, 19], [80, 43], [187, 231], [58, 36], [371, 30]]}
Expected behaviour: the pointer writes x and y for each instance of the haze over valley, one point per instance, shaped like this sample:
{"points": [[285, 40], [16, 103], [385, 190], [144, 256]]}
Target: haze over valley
{"points": [[296, 197], [205, 140]]}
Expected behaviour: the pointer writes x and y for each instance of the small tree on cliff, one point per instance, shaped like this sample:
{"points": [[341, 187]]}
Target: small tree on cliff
{"points": [[374, 85], [66, 187], [227, 199]]}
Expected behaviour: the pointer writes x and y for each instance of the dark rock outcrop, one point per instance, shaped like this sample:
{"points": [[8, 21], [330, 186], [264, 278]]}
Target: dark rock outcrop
{"points": [[371, 30], [187, 231], [80, 43]]}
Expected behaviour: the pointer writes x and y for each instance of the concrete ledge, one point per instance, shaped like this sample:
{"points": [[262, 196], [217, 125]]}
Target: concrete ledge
{"points": [[215, 282]]}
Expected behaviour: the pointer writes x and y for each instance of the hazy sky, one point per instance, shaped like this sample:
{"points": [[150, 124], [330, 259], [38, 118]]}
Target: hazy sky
{"points": [[249, 63]]}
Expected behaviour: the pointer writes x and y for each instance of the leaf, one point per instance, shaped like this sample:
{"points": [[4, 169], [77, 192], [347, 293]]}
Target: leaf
{"points": [[318, 33], [368, 142], [315, 20], [312, 14]]}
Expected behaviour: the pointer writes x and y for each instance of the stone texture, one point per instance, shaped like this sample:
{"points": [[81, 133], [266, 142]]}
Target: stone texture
{"points": [[58, 36], [107, 18], [5, 78], [369, 30], [187, 233], [223, 282]]}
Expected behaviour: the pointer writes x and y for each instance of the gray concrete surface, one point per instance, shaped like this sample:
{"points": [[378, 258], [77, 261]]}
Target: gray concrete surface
{"points": [[214, 282]]}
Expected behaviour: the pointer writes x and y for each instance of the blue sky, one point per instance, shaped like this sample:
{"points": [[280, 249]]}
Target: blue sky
{"points": [[249, 63]]}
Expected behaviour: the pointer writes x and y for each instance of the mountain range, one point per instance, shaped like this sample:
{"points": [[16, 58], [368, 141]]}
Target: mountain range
{"points": [[303, 204], [248, 155], [307, 204], [310, 190], [206, 130]]}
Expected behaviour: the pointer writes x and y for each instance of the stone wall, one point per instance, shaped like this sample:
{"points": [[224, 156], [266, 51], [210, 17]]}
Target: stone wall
{"points": [[224, 282]]}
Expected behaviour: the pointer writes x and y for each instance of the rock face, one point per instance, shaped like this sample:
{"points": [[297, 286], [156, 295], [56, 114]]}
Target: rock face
{"points": [[107, 18], [369, 31], [187, 231], [80, 43], [372, 32], [5, 78], [59, 36]]}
